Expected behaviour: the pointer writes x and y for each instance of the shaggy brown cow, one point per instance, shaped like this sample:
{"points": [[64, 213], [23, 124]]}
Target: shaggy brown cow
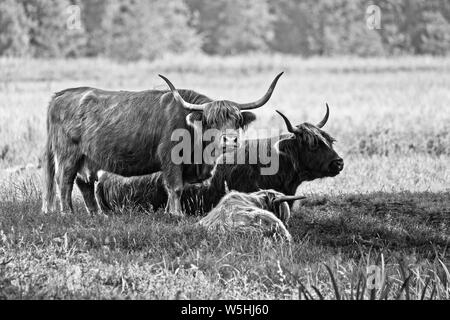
{"points": [[265, 211], [130, 133]]}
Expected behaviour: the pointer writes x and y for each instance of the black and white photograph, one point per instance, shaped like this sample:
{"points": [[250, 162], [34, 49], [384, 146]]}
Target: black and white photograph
{"points": [[225, 156]]}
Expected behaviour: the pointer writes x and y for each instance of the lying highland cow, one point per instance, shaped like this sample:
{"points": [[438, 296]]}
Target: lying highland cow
{"points": [[114, 192], [147, 192], [305, 153], [265, 211]]}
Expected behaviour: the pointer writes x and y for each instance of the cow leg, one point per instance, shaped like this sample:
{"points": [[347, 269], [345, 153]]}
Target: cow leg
{"points": [[88, 192], [66, 177], [174, 186], [174, 202], [173, 179]]}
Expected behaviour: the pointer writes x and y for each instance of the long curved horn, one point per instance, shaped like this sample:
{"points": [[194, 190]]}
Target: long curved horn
{"points": [[179, 99], [322, 123], [227, 190], [263, 100], [289, 126], [288, 198]]}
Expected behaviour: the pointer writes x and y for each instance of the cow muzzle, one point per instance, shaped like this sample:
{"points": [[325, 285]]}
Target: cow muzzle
{"points": [[336, 166], [229, 142]]}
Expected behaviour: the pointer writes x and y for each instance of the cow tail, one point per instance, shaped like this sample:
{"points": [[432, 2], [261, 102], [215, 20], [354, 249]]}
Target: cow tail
{"points": [[48, 199]]}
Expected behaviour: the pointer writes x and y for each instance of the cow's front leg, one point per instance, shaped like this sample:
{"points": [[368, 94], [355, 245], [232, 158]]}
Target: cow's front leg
{"points": [[174, 202], [174, 184]]}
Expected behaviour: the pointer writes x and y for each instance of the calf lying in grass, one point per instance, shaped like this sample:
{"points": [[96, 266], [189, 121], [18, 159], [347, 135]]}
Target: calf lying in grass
{"points": [[265, 211], [114, 192]]}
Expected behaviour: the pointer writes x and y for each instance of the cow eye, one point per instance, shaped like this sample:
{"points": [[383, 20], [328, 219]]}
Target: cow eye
{"points": [[314, 146]]}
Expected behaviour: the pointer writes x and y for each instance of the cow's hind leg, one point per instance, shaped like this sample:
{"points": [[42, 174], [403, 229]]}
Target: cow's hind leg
{"points": [[67, 171], [87, 189]]}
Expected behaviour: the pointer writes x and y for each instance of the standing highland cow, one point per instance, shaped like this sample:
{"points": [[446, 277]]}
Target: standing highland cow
{"points": [[130, 134]]}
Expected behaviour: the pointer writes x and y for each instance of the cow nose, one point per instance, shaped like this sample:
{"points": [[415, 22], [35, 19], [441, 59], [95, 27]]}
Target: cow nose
{"points": [[337, 165], [230, 141]]}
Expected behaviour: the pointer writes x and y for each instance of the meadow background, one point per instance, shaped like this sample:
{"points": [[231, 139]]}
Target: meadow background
{"points": [[389, 93]]}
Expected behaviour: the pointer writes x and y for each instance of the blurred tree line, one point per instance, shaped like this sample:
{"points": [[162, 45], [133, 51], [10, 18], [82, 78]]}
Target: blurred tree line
{"points": [[146, 29]]}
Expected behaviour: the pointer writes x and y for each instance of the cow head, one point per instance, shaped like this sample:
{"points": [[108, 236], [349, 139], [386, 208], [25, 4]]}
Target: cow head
{"points": [[277, 202], [227, 117], [311, 150]]}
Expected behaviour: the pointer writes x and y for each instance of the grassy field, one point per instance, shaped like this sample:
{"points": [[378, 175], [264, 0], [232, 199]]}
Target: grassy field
{"points": [[390, 207]]}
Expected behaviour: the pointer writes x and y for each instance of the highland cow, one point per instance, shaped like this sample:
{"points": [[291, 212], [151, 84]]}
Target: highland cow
{"points": [[114, 192], [130, 134], [265, 211], [306, 153]]}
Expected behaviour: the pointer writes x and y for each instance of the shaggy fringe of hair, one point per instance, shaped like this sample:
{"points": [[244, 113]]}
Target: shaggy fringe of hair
{"points": [[218, 113], [311, 135]]}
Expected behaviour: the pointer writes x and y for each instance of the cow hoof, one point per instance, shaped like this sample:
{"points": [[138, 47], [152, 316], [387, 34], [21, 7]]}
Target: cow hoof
{"points": [[65, 213], [177, 214], [45, 211], [95, 213], [48, 209], [102, 215]]}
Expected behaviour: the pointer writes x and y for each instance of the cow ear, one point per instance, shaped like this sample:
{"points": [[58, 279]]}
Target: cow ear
{"points": [[270, 195], [248, 117], [270, 199], [284, 212], [194, 118]]}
